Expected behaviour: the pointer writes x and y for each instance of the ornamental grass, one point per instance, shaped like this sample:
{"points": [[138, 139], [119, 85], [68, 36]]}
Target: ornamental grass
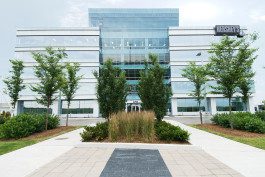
{"points": [[132, 126]]}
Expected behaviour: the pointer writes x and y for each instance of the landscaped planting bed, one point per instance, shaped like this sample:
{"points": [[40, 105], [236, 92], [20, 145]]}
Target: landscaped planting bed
{"points": [[250, 138], [241, 121], [135, 127], [24, 125], [14, 144]]}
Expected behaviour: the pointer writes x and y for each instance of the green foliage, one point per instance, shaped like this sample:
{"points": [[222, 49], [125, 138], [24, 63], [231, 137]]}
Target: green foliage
{"points": [[26, 124], [4, 116], [96, 133], [260, 114], [245, 89], [49, 71], [231, 63], [198, 76], [241, 121], [153, 92], [70, 84], [132, 126], [14, 83], [168, 132], [111, 89], [222, 120]]}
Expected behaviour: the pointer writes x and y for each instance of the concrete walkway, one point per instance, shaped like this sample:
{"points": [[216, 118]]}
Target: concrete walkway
{"points": [[247, 160], [24, 161], [89, 160]]}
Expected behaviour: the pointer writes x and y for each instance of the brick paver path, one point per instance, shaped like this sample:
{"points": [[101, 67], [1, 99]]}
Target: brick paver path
{"points": [[182, 161]]}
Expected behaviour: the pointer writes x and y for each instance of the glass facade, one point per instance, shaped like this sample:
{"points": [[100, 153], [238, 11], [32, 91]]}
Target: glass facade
{"points": [[222, 104], [77, 107], [127, 36], [72, 55], [189, 55], [193, 40], [34, 107], [61, 41], [189, 105]]}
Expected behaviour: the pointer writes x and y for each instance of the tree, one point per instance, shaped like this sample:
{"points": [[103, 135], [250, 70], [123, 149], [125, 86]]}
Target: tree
{"points": [[112, 89], [70, 84], [49, 71], [245, 90], [198, 76], [14, 83], [152, 90], [231, 62]]}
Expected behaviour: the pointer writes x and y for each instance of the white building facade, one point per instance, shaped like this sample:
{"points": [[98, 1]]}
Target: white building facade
{"points": [[128, 47]]}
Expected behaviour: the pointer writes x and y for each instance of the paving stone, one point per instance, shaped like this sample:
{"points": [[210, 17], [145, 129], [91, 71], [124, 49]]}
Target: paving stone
{"points": [[135, 163]]}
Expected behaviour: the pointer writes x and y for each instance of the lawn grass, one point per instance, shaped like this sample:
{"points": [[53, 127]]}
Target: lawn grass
{"points": [[252, 139], [12, 145]]}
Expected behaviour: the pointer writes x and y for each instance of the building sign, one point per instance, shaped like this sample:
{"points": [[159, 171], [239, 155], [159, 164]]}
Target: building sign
{"points": [[229, 30]]}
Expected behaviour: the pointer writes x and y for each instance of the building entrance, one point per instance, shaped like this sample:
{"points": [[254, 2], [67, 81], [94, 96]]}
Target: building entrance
{"points": [[133, 107]]}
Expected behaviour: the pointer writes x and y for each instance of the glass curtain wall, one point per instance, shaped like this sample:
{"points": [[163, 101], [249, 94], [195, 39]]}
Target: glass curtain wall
{"points": [[127, 36]]}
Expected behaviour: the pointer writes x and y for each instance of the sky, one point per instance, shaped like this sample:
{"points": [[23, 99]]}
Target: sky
{"points": [[73, 13]]}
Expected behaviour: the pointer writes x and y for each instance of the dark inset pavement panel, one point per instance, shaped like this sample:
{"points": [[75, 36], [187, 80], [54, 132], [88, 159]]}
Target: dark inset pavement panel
{"points": [[135, 163]]}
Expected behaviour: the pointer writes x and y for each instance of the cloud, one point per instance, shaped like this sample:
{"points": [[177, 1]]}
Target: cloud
{"points": [[257, 16], [198, 12], [75, 15]]}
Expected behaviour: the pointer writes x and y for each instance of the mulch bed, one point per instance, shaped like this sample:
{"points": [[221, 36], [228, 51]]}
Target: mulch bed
{"points": [[135, 140], [45, 134], [51, 132], [230, 131]]}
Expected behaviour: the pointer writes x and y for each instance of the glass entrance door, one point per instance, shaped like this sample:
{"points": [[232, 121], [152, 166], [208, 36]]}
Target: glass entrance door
{"points": [[133, 107]]}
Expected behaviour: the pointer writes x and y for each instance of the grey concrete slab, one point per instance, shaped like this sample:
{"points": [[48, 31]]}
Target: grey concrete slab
{"points": [[81, 121], [189, 120], [135, 163], [89, 160]]}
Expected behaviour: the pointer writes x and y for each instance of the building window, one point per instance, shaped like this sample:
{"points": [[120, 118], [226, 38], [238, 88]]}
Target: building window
{"points": [[222, 104], [111, 43], [134, 43], [182, 87], [115, 58], [34, 107], [39, 41], [189, 105], [131, 59], [157, 43], [77, 107], [134, 74]]}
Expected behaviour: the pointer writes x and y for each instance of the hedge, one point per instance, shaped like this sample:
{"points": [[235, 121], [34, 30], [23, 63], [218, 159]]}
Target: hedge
{"points": [[240, 121], [24, 125], [168, 132]]}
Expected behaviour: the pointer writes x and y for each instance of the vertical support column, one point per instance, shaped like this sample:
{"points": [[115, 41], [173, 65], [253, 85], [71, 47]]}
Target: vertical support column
{"points": [[174, 106], [54, 107], [250, 105], [213, 106]]}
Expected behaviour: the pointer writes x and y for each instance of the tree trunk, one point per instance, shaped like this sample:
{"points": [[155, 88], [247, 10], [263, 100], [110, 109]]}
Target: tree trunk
{"points": [[68, 105], [246, 106], [47, 115], [200, 112], [230, 108]]}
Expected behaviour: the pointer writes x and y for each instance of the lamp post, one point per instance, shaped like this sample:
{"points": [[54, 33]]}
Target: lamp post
{"points": [[202, 63], [130, 53]]}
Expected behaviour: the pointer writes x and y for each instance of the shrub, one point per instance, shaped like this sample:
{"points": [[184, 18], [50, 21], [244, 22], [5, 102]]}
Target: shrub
{"points": [[132, 126], [241, 121], [26, 124], [98, 132], [260, 114], [168, 132], [4, 116], [221, 119]]}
